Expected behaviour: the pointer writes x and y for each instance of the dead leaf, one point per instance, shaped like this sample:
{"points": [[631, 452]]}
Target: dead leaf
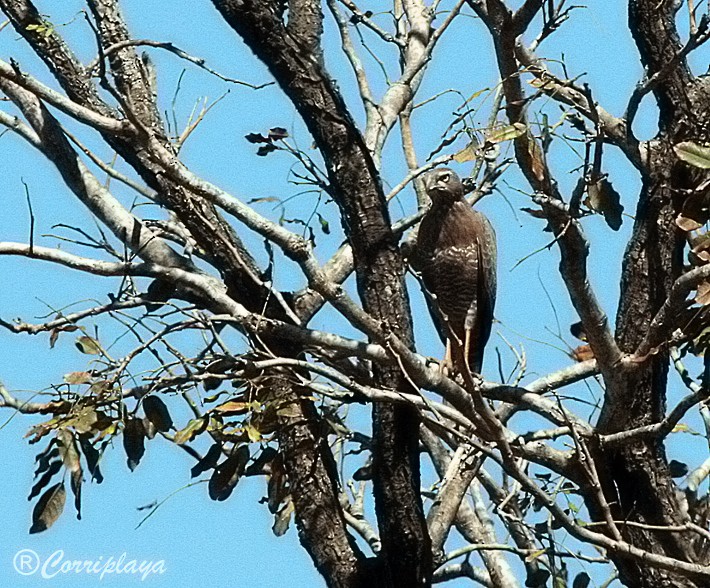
{"points": [[49, 508], [92, 456], [702, 295], [227, 474], [686, 223], [157, 413], [582, 353], [54, 333], [700, 249], [70, 456], [208, 462], [282, 519], [604, 199], [77, 378], [535, 212], [134, 441], [537, 163], [278, 133], [695, 212], [262, 464], [276, 488], [86, 419], [233, 408]]}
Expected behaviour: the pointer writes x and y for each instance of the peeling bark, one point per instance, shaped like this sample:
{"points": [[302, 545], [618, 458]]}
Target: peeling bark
{"points": [[295, 62]]}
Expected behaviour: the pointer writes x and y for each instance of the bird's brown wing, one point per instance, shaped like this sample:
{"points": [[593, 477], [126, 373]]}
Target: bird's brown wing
{"points": [[479, 318]]}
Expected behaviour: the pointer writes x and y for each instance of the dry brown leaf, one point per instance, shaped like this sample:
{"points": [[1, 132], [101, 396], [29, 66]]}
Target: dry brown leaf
{"points": [[48, 508], [702, 295], [604, 199], [582, 353], [687, 224]]}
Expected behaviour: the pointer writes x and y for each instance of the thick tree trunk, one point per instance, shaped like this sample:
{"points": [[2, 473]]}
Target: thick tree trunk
{"points": [[292, 53], [635, 477], [312, 476]]}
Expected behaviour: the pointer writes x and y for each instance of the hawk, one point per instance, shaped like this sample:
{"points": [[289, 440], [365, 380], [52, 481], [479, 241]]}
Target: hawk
{"points": [[456, 256]]}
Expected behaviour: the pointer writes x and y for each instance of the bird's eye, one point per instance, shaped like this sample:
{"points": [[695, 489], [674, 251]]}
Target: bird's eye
{"points": [[445, 178]]}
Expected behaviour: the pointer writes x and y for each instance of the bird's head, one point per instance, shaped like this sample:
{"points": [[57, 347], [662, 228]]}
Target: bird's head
{"points": [[443, 185]]}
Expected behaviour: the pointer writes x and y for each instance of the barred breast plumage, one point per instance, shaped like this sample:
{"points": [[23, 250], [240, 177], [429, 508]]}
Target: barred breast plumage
{"points": [[456, 255]]}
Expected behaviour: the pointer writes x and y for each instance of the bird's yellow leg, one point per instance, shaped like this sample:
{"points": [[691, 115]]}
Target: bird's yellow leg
{"points": [[448, 363], [467, 349]]}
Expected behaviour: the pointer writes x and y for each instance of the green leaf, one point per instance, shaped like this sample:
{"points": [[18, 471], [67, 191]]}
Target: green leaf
{"points": [[253, 433], [694, 154], [49, 508], [44, 29], [537, 578], [506, 133], [265, 150], [88, 345], [324, 224], [256, 138], [193, 427], [468, 153], [535, 554], [263, 199], [477, 93], [46, 456]]}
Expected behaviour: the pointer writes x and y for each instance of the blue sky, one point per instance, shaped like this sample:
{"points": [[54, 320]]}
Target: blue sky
{"points": [[230, 543]]}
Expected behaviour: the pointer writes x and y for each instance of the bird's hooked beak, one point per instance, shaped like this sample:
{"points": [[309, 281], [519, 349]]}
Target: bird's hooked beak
{"points": [[432, 183], [439, 183]]}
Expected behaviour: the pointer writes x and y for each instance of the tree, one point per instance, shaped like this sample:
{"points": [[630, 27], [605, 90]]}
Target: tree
{"points": [[187, 274]]}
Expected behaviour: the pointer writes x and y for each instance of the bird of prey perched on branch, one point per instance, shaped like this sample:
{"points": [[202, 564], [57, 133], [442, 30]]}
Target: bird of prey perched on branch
{"points": [[456, 256]]}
